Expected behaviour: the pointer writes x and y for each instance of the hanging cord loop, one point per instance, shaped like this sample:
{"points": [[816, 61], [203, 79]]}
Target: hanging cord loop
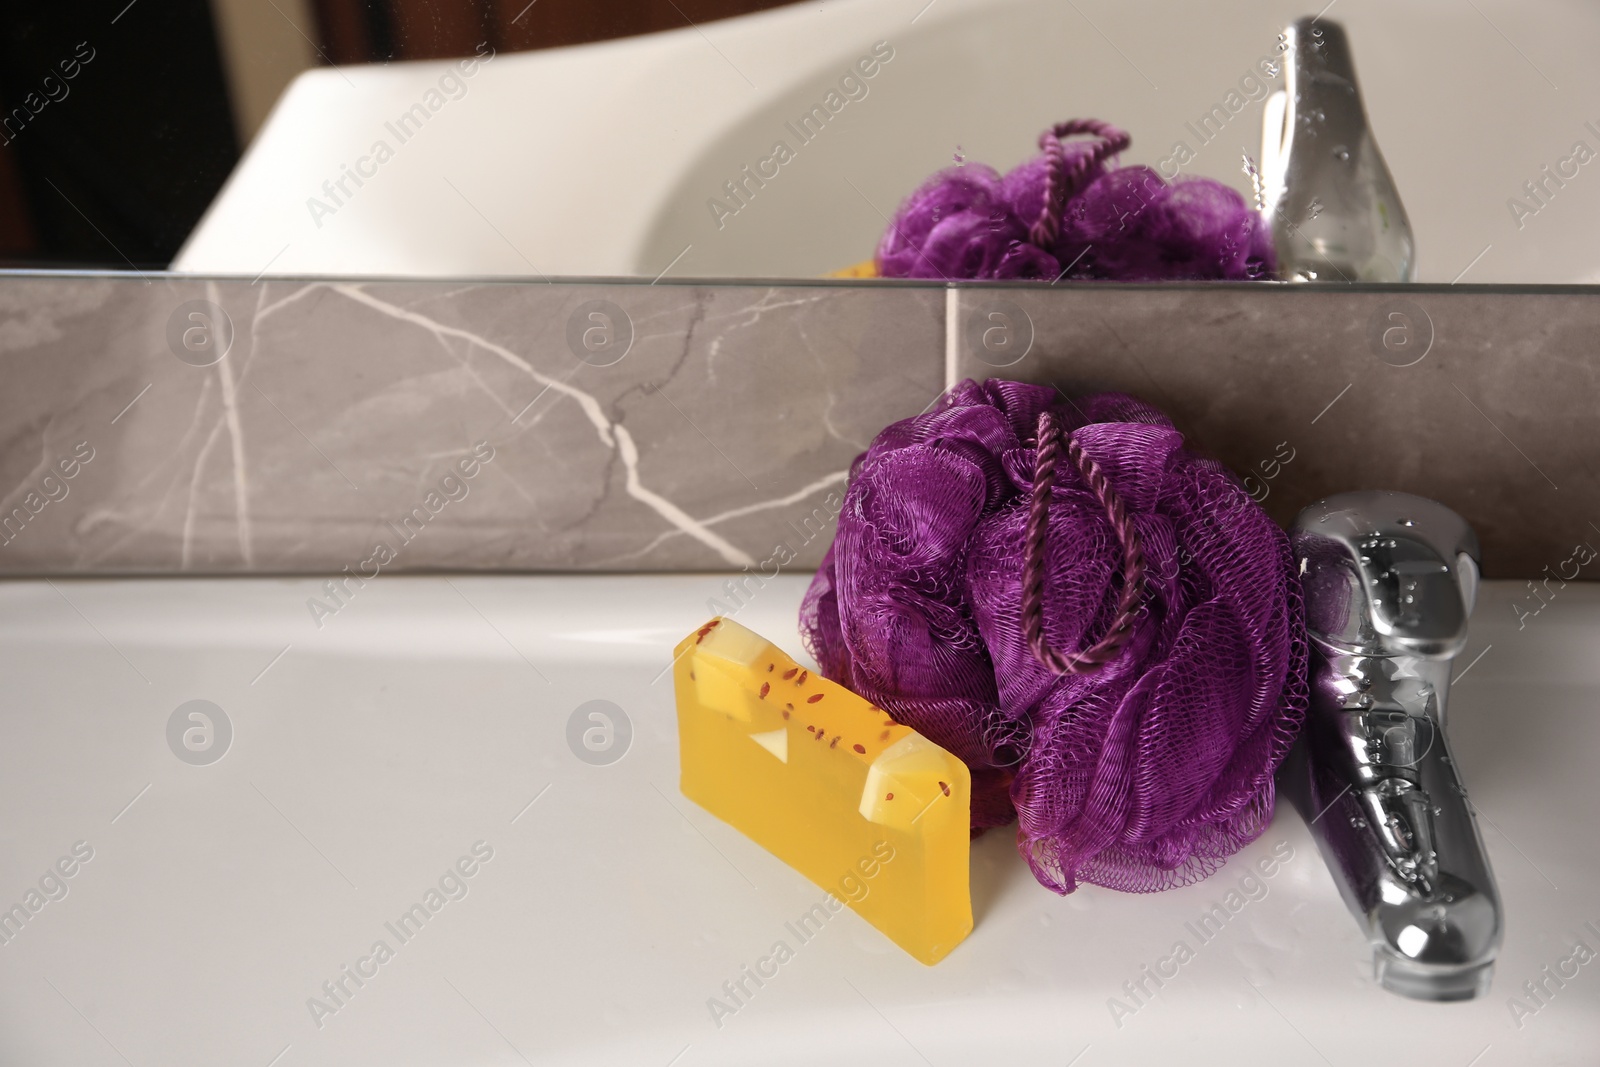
{"points": [[1063, 182], [1133, 577]]}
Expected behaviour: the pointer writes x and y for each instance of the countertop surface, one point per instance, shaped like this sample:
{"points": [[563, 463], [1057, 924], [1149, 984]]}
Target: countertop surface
{"points": [[408, 744]]}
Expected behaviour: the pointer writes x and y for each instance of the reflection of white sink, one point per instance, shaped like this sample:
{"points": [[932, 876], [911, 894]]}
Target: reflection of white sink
{"points": [[600, 160], [427, 714]]}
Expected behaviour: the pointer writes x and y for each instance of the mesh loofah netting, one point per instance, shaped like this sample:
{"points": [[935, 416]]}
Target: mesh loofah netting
{"points": [[1142, 774], [1065, 213]]}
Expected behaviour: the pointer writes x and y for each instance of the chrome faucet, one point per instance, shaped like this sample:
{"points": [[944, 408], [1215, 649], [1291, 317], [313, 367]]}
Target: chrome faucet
{"points": [[1389, 581], [1328, 196]]}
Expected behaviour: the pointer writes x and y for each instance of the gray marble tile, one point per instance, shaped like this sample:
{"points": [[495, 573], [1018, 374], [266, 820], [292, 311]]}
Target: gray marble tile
{"points": [[708, 429], [709, 425], [1488, 401]]}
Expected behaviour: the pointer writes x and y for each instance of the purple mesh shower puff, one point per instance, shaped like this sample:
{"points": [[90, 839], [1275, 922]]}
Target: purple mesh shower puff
{"points": [[1067, 209], [1143, 775]]}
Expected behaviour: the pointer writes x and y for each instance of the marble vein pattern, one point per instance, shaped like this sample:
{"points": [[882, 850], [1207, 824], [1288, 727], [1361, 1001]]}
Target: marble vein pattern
{"points": [[714, 428], [344, 413]]}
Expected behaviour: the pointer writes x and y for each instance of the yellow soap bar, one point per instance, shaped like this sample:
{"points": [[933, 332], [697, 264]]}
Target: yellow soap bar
{"points": [[866, 808], [865, 269]]}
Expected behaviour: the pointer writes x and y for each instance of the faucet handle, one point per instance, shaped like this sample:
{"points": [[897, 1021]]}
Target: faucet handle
{"points": [[1328, 195], [1415, 604], [1386, 574]]}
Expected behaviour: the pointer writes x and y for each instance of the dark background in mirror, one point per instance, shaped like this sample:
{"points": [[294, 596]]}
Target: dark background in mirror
{"points": [[121, 121]]}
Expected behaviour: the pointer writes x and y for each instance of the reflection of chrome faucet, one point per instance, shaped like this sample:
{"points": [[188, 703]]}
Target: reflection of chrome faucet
{"points": [[1329, 198], [1389, 581]]}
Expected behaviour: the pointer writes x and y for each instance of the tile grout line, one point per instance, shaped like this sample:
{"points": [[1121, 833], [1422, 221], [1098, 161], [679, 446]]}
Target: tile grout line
{"points": [[952, 336]]}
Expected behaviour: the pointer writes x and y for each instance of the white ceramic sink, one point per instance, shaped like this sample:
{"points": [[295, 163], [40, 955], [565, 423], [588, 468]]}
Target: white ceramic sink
{"points": [[430, 714]]}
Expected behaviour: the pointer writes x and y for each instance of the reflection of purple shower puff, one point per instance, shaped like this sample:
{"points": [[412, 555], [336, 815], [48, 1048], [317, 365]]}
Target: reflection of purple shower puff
{"points": [[1123, 224]]}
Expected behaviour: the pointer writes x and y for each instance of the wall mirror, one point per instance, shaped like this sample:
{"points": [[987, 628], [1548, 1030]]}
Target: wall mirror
{"points": [[745, 139]]}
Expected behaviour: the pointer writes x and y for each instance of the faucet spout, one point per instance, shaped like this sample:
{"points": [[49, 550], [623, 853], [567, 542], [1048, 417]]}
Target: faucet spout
{"points": [[1390, 580]]}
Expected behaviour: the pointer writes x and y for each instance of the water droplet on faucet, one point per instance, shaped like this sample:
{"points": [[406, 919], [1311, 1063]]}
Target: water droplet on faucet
{"points": [[1341, 153]]}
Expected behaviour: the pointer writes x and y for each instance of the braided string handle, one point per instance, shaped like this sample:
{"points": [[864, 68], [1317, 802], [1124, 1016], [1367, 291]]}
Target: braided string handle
{"points": [[1063, 181], [1044, 466]]}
